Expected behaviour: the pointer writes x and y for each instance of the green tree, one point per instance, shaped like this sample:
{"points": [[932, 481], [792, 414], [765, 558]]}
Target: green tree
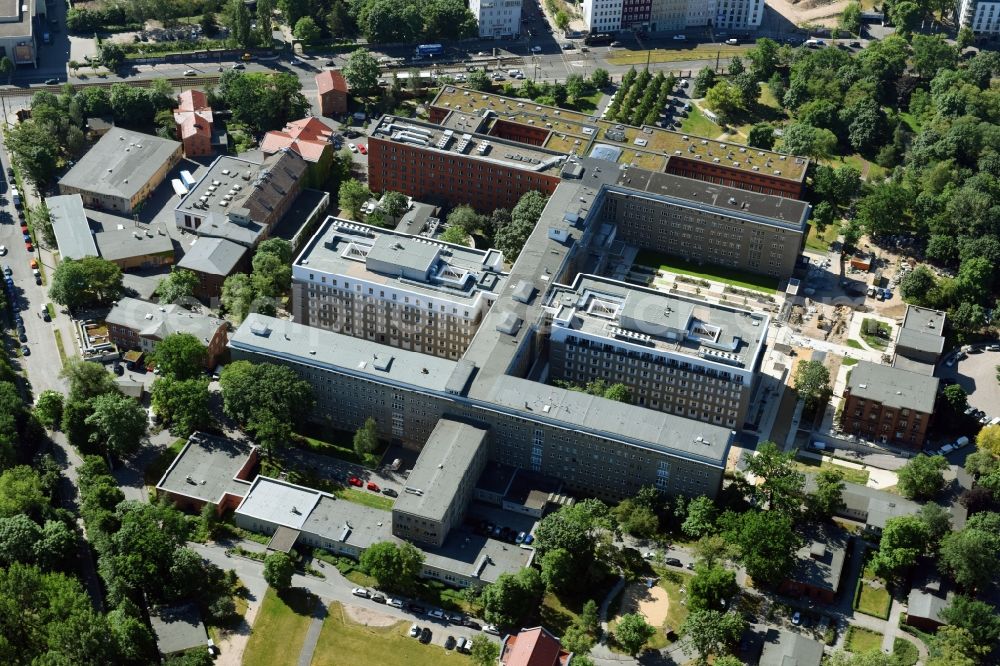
{"points": [[306, 30], [802, 139], [700, 521], [6, 67], [466, 218], [180, 356], [56, 547], [618, 393], [711, 587], [812, 383], [761, 135], [266, 399], [904, 539], [479, 80], [181, 403], [823, 216], [238, 296], [600, 79], [263, 101], [781, 485], [271, 276], [87, 281], [558, 570], [972, 555], [393, 204], [21, 492], [917, 285], [765, 541], [965, 37], [49, 409], [112, 55], [352, 196], [393, 567], [977, 617], [956, 399], [484, 652], [456, 235], [131, 637], [18, 535], [711, 631], [87, 380], [725, 99], [632, 632], [905, 16], [635, 519], [362, 71], [178, 287], [850, 18], [278, 570], [764, 58], [265, 19], [509, 599], [366, 438], [237, 18], [562, 20], [703, 81], [828, 498], [988, 440], [922, 477], [119, 423], [35, 149]]}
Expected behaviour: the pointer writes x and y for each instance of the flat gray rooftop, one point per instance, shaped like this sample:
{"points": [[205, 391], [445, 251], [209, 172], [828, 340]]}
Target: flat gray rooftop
{"points": [[120, 164], [893, 387], [789, 648], [645, 428], [922, 329], [213, 256], [622, 312], [279, 502], [403, 261], [119, 244], [441, 469], [71, 227], [343, 353], [178, 628], [777, 211], [820, 561], [481, 147], [158, 321], [206, 468]]}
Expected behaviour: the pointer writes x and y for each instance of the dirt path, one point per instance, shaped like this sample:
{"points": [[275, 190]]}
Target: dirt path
{"points": [[233, 644]]}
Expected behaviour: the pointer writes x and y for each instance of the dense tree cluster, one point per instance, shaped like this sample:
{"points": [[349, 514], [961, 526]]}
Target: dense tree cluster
{"points": [[266, 399], [269, 279], [263, 101], [641, 98]]}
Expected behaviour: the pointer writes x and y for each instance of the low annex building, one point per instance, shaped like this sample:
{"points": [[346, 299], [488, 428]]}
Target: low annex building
{"points": [[136, 324], [194, 123], [331, 92], [309, 137], [209, 470], [819, 565], [888, 404], [213, 260], [533, 647], [121, 170]]}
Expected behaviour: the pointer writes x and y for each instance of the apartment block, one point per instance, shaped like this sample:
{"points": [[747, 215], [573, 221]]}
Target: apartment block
{"points": [[706, 223], [446, 166], [498, 19], [405, 291], [194, 123], [983, 17], [672, 15], [888, 404], [628, 147], [441, 483], [140, 325], [676, 354], [602, 15]]}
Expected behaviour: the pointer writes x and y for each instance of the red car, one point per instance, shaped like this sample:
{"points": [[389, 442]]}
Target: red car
{"points": [[363, 149], [373, 487], [29, 247], [355, 481]]}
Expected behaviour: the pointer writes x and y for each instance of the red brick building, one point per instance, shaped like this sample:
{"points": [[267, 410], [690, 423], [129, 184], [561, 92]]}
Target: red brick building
{"points": [[887, 404], [331, 89], [193, 118], [137, 324], [404, 156]]}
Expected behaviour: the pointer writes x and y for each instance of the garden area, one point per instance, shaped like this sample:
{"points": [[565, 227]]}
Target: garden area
{"points": [[862, 640], [280, 628], [876, 333], [872, 596], [729, 276], [809, 465], [820, 241], [371, 638]]}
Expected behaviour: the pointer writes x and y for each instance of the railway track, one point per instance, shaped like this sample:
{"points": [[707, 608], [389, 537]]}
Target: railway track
{"points": [[176, 82]]}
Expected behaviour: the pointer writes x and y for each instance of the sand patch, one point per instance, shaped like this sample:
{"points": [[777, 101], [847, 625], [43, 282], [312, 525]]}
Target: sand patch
{"points": [[369, 618], [650, 602]]}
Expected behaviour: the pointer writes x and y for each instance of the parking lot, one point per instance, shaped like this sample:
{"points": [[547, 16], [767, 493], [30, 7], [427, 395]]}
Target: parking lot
{"points": [[977, 374]]}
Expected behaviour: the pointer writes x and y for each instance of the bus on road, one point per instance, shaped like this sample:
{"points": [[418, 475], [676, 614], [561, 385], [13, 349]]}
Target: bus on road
{"points": [[429, 50]]}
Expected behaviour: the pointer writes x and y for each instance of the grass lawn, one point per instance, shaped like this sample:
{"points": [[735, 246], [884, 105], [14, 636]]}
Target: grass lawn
{"points": [[862, 640], [280, 628], [343, 642], [671, 581], [556, 613], [696, 123], [811, 466], [59, 346], [905, 652], [910, 121], [854, 344], [154, 472], [849, 361], [365, 497], [880, 341], [699, 52], [874, 602], [821, 241], [338, 444], [587, 103], [717, 273]]}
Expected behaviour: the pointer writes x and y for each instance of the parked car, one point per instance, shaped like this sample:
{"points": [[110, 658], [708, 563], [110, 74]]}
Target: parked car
{"points": [[190, 72], [363, 149], [993, 348], [23, 337], [25, 351], [352, 147], [680, 38], [491, 629], [471, 624], [536, 49], [355, 481], [361, 592], [378, 598], [528, 539], [418, 609], [238, 65], [449, 643], [372, 486], [796, 618], [3, 250], [673, 562], [519, 539], [395, 603], [51, 82], [463, 644], [414, 631], [437, 614], [389, 492]]}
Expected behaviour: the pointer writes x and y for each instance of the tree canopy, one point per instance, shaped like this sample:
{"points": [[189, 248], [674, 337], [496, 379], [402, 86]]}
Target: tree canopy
{"points": [[87, 281]]}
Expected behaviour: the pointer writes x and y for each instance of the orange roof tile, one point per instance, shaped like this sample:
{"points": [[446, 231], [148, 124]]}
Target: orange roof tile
{"points": [[533, 647], [331, 79]]}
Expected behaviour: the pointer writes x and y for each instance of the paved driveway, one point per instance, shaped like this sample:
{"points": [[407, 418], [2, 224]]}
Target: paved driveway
{"points": [[977, 374]]}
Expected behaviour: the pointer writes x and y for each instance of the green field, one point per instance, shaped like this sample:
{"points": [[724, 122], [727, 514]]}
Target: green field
{"points": [[811, 466], [343, 642], [821, 242], [717, 273], [699, 52], [905, 652], [366, 497], [696, 123], [280, 628], [874, 602], [862, 640], [880, 341]]}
